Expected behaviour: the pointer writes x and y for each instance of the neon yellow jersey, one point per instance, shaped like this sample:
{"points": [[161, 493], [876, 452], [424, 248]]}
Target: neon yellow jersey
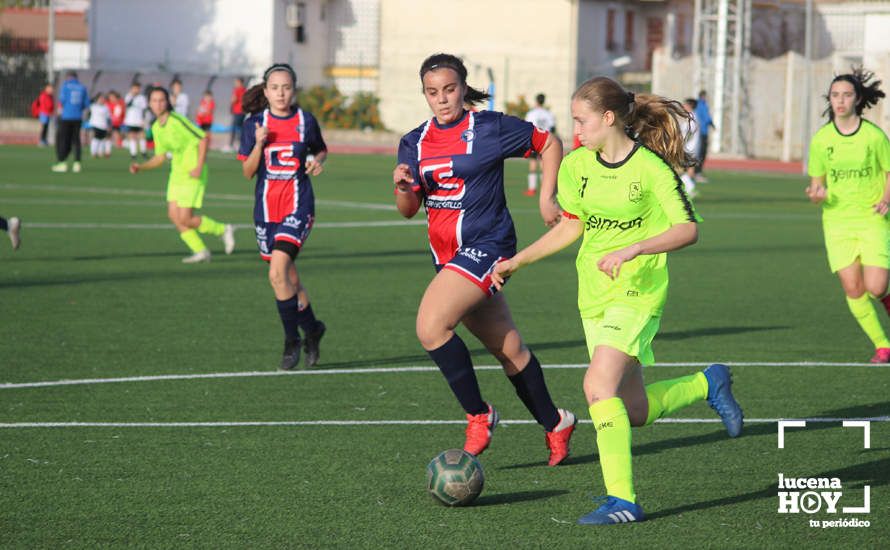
{"points": [[179, 137], [621, 204], [855, 168]]}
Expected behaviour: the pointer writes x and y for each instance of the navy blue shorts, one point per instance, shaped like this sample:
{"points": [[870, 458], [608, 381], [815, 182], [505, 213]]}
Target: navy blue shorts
{"points": [[476, 263], [293, 229]]}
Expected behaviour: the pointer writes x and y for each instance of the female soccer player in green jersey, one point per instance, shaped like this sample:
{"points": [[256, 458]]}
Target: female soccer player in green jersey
{"points": [[187, 146], [849, 169], [620, 191]]}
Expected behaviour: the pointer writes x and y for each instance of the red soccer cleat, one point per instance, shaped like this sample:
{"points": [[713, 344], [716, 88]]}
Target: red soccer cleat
{"points": [[558, 440], [479, 428], [882, 355], [530, 192]]}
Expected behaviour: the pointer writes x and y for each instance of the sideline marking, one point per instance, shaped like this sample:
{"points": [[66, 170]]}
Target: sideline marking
{"points": [[300, 423], [168, 226], [419, 368]]}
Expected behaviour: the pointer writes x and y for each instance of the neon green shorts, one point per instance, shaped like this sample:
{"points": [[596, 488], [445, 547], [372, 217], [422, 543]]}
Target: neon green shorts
{"points": [[624, 328], [867, 240], [186, 192]]}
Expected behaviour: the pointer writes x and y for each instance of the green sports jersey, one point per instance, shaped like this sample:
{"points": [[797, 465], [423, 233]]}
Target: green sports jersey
{"points": [[621, 204], [179, 137], [855, 168]]}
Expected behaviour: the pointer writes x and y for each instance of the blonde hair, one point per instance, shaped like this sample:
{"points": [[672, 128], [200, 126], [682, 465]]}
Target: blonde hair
{"points": [[650, 119]]}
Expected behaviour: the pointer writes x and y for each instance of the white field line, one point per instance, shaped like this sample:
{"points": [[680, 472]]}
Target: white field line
{"points": [[303, 423], [247, 197], [167, 226], [380, 370]]}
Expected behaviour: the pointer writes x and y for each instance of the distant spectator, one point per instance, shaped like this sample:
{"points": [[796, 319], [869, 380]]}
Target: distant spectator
{"points": [[73, 100], [180, 98], [44, 107], [705, 123], [544, 121], [204, 117], [237, 111]]}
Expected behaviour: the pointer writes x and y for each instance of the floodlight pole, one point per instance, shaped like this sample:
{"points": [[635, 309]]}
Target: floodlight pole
{"points": [[808, 71], [720, 74], [50, 42]]}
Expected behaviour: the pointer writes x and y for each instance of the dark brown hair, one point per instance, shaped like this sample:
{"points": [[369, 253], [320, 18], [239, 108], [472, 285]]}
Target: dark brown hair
{"points": [[448, 61], [867, 94], [254, 100]]}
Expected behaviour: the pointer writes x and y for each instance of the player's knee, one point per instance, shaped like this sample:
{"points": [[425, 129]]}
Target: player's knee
{"points": [[432, 333]]}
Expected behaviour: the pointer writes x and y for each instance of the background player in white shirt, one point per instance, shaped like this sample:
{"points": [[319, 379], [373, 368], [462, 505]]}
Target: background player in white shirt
{"points": [[100, 122], [180, 98], [544, 121], [692, 133], [134, 119]]}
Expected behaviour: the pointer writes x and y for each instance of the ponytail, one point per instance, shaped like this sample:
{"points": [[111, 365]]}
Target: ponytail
{"points": [[254, 100], [655, 122], [652, 120], [867, 95]]}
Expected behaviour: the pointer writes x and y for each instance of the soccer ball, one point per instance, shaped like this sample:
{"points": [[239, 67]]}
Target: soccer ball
{"points": [[454, 478]]}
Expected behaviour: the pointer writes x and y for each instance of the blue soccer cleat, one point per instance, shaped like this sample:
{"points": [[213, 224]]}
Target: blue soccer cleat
{"points": [[613, 510], [721, 400]]}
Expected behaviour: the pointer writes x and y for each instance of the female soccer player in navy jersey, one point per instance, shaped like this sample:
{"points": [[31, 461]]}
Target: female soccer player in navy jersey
{"points": [[453, 164], [278, 142]]}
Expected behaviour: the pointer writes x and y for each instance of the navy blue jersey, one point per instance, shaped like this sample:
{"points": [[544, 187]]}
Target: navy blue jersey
{"points": [[282, 185], [459, 169]]}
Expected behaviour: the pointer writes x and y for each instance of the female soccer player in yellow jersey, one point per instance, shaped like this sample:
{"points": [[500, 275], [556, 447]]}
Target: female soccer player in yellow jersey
{"points": [[849, 169], [187, 145], [620, 191]]}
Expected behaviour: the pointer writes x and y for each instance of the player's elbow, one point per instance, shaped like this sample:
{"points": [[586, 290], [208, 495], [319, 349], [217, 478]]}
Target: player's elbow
{"points": [[691, 233]]}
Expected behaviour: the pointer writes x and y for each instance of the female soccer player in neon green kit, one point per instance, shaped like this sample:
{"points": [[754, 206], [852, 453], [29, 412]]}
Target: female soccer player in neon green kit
{"points": [[850, 170], [623, 195], [187, 144]]}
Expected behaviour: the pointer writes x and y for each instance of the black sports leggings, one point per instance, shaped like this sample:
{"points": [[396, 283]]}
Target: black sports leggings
{"points": [[68, 134]]}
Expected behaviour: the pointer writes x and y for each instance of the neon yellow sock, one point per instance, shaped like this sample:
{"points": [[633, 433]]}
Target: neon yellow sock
{"points": [[865, 315], [192, 240], [209, 226], [613, 441], [672, 395]]}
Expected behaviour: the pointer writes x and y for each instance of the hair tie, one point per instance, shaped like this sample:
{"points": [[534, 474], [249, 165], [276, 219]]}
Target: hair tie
{"points": [[630, 97]]}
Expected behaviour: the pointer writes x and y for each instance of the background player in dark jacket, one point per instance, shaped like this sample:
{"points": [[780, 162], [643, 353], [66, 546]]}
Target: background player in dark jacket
{"points": [[454, 165], [282, 146]]}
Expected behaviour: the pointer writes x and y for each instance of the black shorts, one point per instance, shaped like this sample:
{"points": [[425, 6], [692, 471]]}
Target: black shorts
{"points": [[206, 126], [99, 133]]}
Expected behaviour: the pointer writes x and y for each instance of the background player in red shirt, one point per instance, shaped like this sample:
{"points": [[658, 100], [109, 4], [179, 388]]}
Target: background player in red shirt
{"points": [[118, 108], [453, 164], [237, 110], [46, 106], [282, 145], [204, 117]]}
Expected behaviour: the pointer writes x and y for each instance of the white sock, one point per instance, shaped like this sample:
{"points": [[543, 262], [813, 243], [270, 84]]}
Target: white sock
{"points": [[142, 145], [132, 143], [532, 182], [106, 146], [94, 147]]}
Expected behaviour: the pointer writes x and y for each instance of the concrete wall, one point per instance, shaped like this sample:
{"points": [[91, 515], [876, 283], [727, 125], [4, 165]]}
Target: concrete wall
{"points": [[534, 51], [777, 126]]}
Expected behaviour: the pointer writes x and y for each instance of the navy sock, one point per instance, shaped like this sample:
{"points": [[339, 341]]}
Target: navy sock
{"points": [[306, 319], [290, 315], [453, 359], [3, 225], [532, 390]]}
